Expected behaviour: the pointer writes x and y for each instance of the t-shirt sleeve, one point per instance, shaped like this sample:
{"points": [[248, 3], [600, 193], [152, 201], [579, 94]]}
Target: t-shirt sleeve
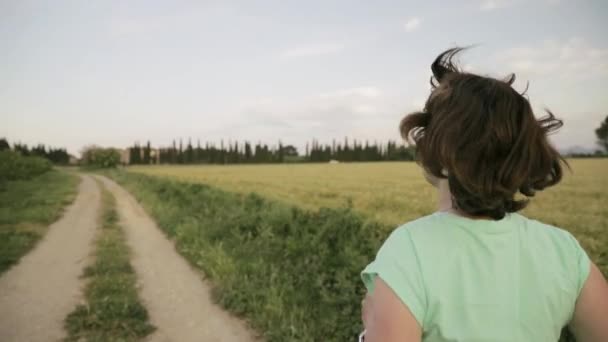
{"points": [[583, 265], [398, 266]]}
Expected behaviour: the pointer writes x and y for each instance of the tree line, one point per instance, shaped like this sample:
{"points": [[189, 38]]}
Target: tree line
{"points": [[235, 153], [55, 155], [358, 151]]}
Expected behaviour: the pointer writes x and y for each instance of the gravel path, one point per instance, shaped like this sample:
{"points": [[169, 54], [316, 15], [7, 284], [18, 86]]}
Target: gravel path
{"points": [[175, 295], [38, 292]]}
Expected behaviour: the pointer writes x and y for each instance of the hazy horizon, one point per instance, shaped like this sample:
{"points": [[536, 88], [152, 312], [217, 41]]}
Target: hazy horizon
{"points": [[111, 74]]}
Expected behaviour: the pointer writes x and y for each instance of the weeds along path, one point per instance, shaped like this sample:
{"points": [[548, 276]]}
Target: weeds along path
{"points": [[177, 299], [38, 292]]}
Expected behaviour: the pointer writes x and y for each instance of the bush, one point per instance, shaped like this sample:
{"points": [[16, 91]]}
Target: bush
{"points": [[14, 166], [294, 274], [99, 157]]}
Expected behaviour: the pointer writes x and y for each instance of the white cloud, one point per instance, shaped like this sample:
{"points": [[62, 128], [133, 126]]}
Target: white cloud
{"points": [[412, 24], [312, 50], [358, 112], [570, 58]]}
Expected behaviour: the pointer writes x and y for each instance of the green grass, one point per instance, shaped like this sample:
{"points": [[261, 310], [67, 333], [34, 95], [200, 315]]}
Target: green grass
{"points": [[292, 273], [27, 207], [113, 311]]}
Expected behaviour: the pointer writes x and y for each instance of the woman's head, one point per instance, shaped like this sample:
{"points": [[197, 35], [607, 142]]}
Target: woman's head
{"points": [[482, 135]]}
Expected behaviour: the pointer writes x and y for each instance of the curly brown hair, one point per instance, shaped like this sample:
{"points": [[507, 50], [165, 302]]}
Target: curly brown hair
{"points": [[484, 135]]}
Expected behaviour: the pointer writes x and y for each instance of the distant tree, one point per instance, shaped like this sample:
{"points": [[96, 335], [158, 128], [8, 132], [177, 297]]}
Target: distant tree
{"points": [[94, 156], [39, 150], [147, 151], [237, 153], [222, 153], [248, 154], [290, 151], [280, 152], [135, 154], [198, 152], [58, 155], [180, 154], [602, 134], [231, 152], [189, 152], [4, 145], [173, 154], [22, 149]]}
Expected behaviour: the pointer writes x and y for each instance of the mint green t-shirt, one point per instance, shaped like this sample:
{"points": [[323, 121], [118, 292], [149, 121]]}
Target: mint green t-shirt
{"points": [[515, 279]]}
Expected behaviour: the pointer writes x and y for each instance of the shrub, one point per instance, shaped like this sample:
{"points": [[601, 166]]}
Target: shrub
{"points": [[99, 157], [14, 166]]}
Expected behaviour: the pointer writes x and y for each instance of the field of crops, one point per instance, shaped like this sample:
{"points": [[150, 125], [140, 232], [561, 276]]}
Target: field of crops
{"points": [[396, 192], [389, 192]]}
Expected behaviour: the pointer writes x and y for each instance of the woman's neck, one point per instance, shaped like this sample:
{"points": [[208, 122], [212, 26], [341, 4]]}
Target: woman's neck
{"points": [[444, 196], [444, 203]]}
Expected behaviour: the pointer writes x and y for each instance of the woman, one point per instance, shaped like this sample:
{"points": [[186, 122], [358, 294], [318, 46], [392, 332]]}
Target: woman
{"points": [[476, 270]]}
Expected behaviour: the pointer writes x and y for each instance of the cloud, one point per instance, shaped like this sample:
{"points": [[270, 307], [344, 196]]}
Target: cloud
{"points": [[412, 24], [312, 50], [362, 112], [570, 58]]}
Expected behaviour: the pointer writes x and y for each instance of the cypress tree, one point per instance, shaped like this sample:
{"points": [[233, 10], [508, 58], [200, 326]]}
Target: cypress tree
{"points": [[280, 152], [189, 152], [4, 145]]}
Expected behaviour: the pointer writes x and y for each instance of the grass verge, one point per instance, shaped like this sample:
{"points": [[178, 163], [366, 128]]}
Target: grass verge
{"points": [[113, 311], [27, 207], [292, 273]]}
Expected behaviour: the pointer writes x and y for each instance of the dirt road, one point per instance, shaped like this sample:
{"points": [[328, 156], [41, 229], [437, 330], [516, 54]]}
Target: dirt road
{"points": [[175, 295], [44, 287], [38, 292]]}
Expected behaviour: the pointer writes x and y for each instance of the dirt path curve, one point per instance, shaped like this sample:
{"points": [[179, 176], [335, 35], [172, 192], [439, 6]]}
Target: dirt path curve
{"points": [[38, 292], [175, 295]]}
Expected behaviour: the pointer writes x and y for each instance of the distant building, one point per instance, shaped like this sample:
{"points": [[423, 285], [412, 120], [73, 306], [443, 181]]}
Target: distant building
{"points": [[125, 156], [73, 160]]}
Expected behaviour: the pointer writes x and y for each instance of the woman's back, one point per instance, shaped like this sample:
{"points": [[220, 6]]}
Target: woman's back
{"points": [[477, 270], [513, 279]]}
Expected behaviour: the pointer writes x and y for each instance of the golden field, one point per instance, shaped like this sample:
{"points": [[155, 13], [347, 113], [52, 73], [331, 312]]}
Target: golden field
{"points": [[395, 192]]}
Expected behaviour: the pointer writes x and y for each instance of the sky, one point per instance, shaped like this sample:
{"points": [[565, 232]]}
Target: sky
{"points": [[110, 73]]}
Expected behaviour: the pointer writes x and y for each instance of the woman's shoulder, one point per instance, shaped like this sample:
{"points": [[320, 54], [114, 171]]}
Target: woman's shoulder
{"points": [[546, 231], [420, 224], [444, 227], [414, 228]]}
